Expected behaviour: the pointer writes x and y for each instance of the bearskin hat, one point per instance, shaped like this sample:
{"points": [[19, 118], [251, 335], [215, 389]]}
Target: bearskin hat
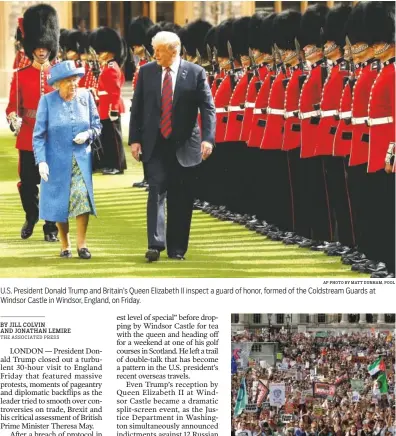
{"points": [[266, 33], [254, 34], [379, 21], [64, 34], [77, 41], [210, 38], [193, 35], [312, 21], [334, 28], [224, 33], [124, 52], [160, 27], [355, 28], [41, 30], [107, 39], [286, 27], [240, 28], [137, 31]]}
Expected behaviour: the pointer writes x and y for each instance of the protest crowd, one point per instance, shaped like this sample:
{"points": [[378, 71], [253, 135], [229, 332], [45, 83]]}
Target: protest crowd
{"points": [[331, 384]]}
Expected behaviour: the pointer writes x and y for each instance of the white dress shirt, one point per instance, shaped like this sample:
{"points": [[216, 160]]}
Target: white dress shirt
{"points": [[174, 68]]}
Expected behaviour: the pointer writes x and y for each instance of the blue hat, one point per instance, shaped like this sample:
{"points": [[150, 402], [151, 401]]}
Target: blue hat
{"points": [[63, 70]]}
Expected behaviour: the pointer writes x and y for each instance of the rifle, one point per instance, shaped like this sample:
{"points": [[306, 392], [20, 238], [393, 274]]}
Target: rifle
{"points": [[184, 56], [324, 64], [253, 62], [215, 61], [278, 54], [301, 62], [95, 62], [232, 63], [352, 77]]}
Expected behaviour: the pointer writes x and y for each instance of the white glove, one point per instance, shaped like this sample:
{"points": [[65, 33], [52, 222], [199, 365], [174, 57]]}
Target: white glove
{"points": [[44, 171], [15, 123], [81, 137]]}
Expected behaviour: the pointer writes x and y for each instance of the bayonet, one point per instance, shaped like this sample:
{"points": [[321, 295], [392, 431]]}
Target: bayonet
{"points": [[298, 51], [184, 53], [278, 53], [147, 54], [252, 59], [199, 58], [209, 52], [231, 56], [324, 64], [95, 62], [131, 53]]}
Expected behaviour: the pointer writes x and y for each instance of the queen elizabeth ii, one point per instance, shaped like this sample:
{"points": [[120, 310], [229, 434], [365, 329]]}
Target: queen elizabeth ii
{"points": [[66, 124]]}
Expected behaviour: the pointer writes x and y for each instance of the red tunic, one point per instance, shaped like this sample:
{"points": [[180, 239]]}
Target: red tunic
{"points": [[135, 76], [260, 112], [27, 86], [329, 105], [360, 102], [236, 109], [292, 135], [381, 114], [273, 135], [311, 94], [83, 81], [251, 96], [111, 80], [216, 82], [221, 101]]}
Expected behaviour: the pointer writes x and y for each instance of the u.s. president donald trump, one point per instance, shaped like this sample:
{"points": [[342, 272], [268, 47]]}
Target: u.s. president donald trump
{"points": [[165, 136]]}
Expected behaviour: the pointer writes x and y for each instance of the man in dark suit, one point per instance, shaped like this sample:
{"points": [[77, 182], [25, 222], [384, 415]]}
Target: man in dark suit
{"points": [[165, 136]]}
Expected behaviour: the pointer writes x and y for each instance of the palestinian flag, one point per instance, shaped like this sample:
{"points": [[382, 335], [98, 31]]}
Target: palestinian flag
{"points": [[382, 383], [376, 366], [242, 398]]}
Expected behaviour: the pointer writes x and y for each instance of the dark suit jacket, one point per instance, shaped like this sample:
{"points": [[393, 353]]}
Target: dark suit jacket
{"points": [[191, 93]]}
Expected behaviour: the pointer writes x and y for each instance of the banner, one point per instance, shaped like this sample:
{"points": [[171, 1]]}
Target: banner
{"points": [[241, 352], [318, 411], [277, 394], [287, 418], [242, 398], [323, 390], [263, 392], [251, 408]]}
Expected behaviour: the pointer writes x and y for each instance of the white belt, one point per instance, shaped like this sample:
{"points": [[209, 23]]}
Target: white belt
{"points": [[275, 111], [378, 121], [325, 114], [290, 114], [305, 115], [360, 120], [221, 110], [102, 93], [251, 105], [234, 108], [260, 111], [344, 115]]}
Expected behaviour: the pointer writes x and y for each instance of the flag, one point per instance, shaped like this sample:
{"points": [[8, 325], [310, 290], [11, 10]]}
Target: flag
{"points": [[382, 383], [376, 366], [263, 392], [234, 366], [242, 398]]}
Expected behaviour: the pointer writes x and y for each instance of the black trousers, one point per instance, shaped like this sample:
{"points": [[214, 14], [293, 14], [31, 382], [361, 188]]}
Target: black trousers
{"points": [[340, 199], [317, 216], [113, 150], [380, 215], [28, 189], [173, 184]]}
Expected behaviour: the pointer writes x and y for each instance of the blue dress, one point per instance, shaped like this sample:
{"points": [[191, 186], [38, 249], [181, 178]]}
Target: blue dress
{"points": [[57, 123]]}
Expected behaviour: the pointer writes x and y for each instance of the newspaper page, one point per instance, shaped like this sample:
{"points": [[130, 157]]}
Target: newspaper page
{"points": [[170, 172]]}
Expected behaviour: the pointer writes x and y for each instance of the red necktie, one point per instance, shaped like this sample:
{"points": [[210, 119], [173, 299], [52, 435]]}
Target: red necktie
{"points": [[166, 105]]}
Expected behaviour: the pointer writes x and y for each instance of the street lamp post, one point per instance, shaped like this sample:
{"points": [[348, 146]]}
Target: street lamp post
{"points": [[288, 324], [269, 316]]}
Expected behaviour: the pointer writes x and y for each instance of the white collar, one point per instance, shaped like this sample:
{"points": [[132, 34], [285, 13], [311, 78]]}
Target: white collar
{"points": [[174, 66]]}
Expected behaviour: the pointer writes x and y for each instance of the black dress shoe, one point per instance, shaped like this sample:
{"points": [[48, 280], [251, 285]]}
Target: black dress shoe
{"points": [[51, 237], [319, 246], [176, 257], [306, 243], [65, 254], [353, 258], [380, 275], [152, 255], [83, 253], [141, 184], [361, 266], [112, 172], [27, 229]]}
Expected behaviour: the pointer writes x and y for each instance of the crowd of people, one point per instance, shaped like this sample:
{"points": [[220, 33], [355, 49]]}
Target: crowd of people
{"points": [[339, 360]]}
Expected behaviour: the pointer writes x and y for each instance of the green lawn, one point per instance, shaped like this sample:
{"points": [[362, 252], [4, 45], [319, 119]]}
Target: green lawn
{"points": [[117, 239]]}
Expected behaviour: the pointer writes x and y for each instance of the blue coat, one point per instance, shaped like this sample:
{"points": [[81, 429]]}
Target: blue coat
{"points": [[57, 123]]}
